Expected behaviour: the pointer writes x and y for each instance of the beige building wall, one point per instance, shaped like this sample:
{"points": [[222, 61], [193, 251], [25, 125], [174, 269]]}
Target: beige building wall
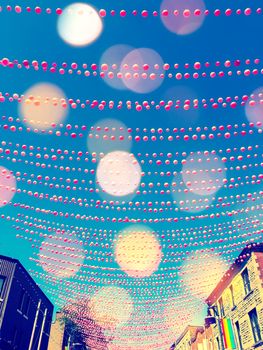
{"points": [[238, 307], [184, 342], [56, 334]]}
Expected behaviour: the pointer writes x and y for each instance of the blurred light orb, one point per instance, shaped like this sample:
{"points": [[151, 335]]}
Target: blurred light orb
{"points": [[138, 251], [79, 24], [201, 273], [113, 57], [141, 70], [119, 173], [190, 202], [61, 257], [177, 314], [203, 174], [254, 108], [111, 307], [43, 105], [183, 21], [7, 186], [108, 135]]}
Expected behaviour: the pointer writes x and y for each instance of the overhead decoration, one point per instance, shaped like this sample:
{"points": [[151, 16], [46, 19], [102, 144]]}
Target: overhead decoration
{"points": [[118, 173], [189, 15], [111, 307], [138, 251], [173, 11], [7, 186], [61, 257], [43, 105], [131, 159], [136, 76], [79, 24]]}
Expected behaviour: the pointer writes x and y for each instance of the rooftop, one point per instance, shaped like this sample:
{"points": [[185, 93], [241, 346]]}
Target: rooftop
{"points": [[17, 262], [234, 269], [192, 329]]}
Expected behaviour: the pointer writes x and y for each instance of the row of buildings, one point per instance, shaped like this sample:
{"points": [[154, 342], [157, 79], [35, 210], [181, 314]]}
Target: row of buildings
{"points": [[26, 313], [235, 309], [234, 320]]}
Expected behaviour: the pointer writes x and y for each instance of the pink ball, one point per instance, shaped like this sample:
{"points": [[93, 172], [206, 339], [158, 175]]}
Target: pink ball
{"points": [[102, 13]]}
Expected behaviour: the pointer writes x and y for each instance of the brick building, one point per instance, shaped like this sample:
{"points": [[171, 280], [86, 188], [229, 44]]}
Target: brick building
{"points": [[203, 340], [184, 342], [239, 297], [25, 311]]}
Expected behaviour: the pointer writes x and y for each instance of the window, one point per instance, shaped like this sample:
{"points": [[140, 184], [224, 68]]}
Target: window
{"points": [[2, 282], [232, 296], [253, 316], [21, 300], [246, 281], [238, 335], [221, 307]]}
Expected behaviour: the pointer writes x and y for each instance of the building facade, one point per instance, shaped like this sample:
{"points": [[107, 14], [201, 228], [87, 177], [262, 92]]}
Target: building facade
{"points": [[203, 340], [56, 333], [236, 300], [239, 297], [25, 311], [64, 336], [184, 342]]}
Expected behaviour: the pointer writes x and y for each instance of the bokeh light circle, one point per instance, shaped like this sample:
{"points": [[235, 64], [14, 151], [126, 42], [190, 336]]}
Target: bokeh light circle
{"points": [[7, 186], [178, 314], [141, 70], [113, 57], [188, 201], [79, 24], [179, 23], [43, 105], [254, 108], [108, 135], [61, 257], [203, 174], [201, 272], [138, 251], [111, 307], [119, 173]]}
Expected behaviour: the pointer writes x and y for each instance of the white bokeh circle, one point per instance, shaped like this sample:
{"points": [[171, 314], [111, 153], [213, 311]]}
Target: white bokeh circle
{"points": [[201, 272], [119, 173], [203, 174], [61, 257], [111, 307], [254, 108], [79, 24]]}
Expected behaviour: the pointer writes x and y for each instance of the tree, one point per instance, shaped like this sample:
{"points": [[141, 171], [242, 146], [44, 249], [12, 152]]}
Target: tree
{"points": [[81, 328]]}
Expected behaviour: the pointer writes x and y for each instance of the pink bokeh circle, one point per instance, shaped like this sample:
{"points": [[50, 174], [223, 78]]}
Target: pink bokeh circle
{"points": [[7, 186], [142, 70], [177, 21]]}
